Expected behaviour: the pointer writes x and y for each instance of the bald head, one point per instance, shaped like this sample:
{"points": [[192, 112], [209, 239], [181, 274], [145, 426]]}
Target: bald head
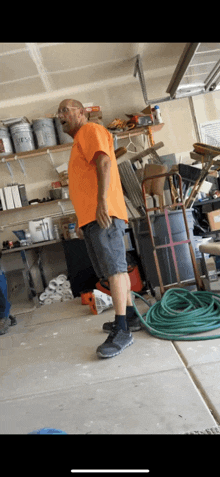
{"points": [[71, 102], [72, 116]]}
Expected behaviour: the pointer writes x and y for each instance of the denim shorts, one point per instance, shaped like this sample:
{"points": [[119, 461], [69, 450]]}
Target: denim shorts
{"points": [[106, 247]]}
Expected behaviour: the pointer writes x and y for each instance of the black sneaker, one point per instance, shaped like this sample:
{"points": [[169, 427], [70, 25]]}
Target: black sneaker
{"points": [[13, 320], [133, 323], [115, 343]]}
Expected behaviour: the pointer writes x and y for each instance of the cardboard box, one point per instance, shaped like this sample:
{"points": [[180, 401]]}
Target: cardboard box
{"points": [[64, 180], [95, 114], [55, 185], [92, 109], [214, 219], [147, 110], [64, 222]]}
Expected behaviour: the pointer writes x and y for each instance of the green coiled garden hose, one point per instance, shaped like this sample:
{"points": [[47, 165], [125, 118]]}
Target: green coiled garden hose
{"points": [[181, 313]]}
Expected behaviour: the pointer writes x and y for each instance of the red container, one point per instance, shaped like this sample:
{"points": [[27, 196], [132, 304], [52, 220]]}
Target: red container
{"points": [[135, 278]]}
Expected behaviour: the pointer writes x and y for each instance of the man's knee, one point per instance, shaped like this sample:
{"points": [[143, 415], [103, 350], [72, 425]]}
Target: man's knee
{"points": [[117, 275]]}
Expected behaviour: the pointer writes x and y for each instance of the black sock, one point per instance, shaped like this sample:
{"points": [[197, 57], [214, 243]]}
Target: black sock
{"points": [[130, 311], [121, 322]]}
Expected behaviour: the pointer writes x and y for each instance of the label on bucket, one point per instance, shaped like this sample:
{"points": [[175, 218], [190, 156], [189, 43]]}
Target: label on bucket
{"points": [[22, 139], [5, 145]]}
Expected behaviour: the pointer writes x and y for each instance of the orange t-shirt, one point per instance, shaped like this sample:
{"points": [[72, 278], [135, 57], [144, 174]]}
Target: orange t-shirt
{"points": [[83, 180]]}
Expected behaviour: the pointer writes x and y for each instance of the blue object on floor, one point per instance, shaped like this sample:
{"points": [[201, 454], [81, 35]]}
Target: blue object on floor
{"points": [[48, 430]]}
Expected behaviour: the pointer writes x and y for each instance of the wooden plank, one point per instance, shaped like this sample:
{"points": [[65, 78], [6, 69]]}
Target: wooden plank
{"points": [[27, 247], [200, 158], [36, 152], [18, 209], [136, 131]]}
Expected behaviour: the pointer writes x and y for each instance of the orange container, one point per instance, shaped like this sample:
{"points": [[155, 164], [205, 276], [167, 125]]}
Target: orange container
{"points": [[89, 299], [135, 278]]}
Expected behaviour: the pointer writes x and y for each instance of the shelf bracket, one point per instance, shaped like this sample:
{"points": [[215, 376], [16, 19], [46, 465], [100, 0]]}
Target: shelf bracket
{"points": [[51, 157], [62, 209], [9, 168], [21, 163], [115, 142]]}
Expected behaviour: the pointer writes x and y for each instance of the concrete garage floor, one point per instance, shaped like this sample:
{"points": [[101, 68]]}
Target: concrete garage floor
{"points": [[51, 377]]}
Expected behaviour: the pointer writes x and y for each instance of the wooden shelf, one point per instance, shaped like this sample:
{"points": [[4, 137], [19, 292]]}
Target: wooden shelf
{"points": [[65, 147], [137, 131], [27, 247], [35, 152], [18, 209]]}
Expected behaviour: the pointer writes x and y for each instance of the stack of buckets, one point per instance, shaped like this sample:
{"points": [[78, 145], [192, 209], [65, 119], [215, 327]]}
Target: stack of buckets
{"points": [[23, 136]]}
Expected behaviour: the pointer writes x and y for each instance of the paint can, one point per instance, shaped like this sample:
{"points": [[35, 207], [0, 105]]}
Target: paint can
{"points": [[7, 147], [44, 132], [22, 137]]}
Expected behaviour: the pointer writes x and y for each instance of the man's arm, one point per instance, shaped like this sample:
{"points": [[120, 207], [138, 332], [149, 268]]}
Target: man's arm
{"points": [[103, 164]]}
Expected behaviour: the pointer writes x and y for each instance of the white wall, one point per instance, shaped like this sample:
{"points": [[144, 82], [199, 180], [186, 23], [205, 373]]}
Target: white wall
{"points": [[207, 107]]}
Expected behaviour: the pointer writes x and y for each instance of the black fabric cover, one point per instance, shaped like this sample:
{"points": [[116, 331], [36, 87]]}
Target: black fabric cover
{"points": [[80, 270]]}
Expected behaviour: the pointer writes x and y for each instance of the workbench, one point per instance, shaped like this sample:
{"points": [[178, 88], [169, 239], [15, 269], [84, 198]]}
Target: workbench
{"points": [[29, 279], [80, 271]]}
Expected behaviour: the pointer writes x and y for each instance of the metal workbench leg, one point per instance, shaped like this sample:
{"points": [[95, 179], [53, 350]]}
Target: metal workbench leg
{"points": [[40, 266], [30, 279]]}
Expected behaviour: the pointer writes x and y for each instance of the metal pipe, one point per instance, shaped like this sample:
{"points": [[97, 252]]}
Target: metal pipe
{"points": [[138, 69], [192, 108]]}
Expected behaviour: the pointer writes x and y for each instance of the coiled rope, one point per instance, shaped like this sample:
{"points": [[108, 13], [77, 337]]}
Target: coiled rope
{"points": [[181, 313]]}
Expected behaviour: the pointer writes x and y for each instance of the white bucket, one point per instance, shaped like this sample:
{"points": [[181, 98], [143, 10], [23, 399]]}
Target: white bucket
{"points": [[44, 132], [6, 139], [22, 137], [62, 136]]}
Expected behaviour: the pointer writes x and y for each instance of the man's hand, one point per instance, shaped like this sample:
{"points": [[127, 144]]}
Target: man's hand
{"points": [[102, 216]]}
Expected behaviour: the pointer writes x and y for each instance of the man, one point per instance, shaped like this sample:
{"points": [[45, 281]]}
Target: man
{"points": [[96, 193], [6, 319]]}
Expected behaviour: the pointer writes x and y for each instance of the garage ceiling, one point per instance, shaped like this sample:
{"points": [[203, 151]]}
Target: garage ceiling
{"points": [[30, 69]]}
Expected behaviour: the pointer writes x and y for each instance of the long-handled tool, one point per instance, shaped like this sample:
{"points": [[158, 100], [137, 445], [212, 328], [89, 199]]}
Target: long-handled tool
{"points": [[203, 174], [189, 176], [207, 154]]}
